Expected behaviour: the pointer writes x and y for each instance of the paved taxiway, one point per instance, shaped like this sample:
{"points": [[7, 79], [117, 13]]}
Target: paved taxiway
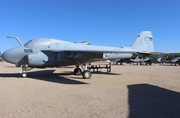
{"points": [[128, 91]]}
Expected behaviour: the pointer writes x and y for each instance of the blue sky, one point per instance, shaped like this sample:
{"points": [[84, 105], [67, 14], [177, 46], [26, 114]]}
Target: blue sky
{"points": [[101, 22]]}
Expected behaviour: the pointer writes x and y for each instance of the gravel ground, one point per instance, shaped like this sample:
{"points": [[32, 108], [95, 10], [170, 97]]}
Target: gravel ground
{"points": [[129, 91]]}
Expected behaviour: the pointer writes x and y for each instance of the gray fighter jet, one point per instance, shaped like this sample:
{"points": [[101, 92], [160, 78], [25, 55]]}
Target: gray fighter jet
{"points": [[175, 60], [139, 61], [46, 52]]}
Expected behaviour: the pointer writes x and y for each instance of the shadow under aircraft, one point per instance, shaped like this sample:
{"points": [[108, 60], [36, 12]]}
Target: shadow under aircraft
{"points": [[46, 75], [149, 101]]}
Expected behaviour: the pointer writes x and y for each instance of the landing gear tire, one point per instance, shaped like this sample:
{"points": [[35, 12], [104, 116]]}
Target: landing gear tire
{"points": [[24, 74], [77, 71], [86, 74]]}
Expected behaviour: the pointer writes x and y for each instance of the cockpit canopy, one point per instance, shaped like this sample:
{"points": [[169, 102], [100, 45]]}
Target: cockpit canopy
{"points": [[36, 43]]}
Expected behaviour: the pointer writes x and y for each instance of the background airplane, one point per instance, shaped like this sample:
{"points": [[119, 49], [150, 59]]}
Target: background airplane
{"points": [[46, 52], [175, 60], [146, 60], [159, 57], [122, 61]]}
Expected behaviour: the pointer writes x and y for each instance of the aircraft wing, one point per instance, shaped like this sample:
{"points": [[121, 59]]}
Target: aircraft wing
{"points": [[94, 51], [88, 55]]}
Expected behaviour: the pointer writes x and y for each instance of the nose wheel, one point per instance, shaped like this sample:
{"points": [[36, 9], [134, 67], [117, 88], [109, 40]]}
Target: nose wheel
{"points": [[24, 75]]}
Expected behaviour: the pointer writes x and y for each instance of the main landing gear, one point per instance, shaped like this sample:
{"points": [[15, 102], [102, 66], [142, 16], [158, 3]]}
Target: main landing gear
{"points": [[85, 73]]}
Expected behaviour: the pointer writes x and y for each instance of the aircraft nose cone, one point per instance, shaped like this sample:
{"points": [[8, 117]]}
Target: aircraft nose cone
{"points": [[7, 56], [13, 55]]}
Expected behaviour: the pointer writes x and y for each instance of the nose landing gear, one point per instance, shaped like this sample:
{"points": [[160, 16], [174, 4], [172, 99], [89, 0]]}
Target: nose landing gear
{"points": [[24, 70]]}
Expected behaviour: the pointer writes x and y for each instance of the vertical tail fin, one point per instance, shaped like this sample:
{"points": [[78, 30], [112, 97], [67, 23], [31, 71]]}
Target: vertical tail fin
{"points": [[144, 42]]}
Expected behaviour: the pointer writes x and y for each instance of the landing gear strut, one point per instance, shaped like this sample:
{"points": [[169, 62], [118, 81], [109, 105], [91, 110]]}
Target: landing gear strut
{"points": [[77, 71]]}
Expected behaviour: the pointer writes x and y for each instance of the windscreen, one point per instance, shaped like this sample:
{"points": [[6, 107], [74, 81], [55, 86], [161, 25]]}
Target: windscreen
{"points": [[35, 43]]}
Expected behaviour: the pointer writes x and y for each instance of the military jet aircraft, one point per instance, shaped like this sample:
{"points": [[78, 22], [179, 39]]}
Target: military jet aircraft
{"points": [[122, 61], [175, 60], [47, 52], [146, 60]]}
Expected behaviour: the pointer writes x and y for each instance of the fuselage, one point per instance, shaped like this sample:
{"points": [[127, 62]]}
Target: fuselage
{"points": [[46, 52]]}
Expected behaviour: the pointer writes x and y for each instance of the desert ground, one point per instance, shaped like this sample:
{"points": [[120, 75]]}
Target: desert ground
{"points": [[128, 91]]}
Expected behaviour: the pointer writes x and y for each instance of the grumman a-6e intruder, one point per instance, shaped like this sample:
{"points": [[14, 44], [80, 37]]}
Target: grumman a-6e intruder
{"points": [[46, 52]]}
